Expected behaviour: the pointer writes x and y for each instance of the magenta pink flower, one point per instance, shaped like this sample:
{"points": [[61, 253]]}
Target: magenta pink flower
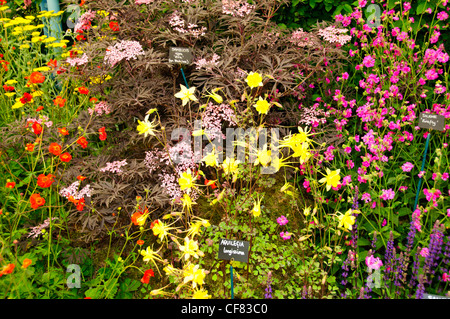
{"points": [[369, 61], [373, 263], [387, 194], [282, 220], [285, 235], [407, 167]]}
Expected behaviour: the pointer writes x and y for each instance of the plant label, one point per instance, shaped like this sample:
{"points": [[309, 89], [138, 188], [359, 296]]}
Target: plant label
{"points": [[432, 121], [233, 249], [180, 55]]}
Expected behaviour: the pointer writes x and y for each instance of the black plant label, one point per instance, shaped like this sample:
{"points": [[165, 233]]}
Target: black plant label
{"points": [[432, 121], [180, 55], [231, 249]]}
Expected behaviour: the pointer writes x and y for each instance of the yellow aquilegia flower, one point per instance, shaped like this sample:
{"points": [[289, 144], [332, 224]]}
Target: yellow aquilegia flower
{"points": [[230, 166], [186, 94], [346, 220], [254, 80], [160, 229], [201, 294], [146, 127], [256, 211], [262, 106], [211, 159], [195, 274], [186, 180], [190, 248], [331, 179]]}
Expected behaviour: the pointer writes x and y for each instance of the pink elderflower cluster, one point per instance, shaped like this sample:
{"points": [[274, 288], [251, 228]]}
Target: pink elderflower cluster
{"points": [[73, 191], [332, 34], [78, 60], [100, 108], [237, 8], [84, 22], [37, 230], [207, 64], [124, 49], [302, 38], [313, 116], [114, 167], [179, 25], [214, 117], [144, 1]]}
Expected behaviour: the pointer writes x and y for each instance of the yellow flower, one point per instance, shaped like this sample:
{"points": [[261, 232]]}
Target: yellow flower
{"points": [[160, 229], [151, 255], [18, 104], [195, 228], [24, 46], [37, 93], [49, 39], [187, 202], [186, 94], [201, 294], [169, 270], [307, 211], [3, 8], [186, 180], [230, 166], [29, 27], [9, 94], [254, 80], [146, 127], [42, 69], [216, 97], [262, 106], [10, 82], [190, 248], [211, 159], [38, 38], [346, 220], [195, 274], [332, 178], [256, 211], [263, 157]]}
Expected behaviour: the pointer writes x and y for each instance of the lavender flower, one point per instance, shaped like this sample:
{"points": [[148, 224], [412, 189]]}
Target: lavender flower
{"points": [[268, 294]]}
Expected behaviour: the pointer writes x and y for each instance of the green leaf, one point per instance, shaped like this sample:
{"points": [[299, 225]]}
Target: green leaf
{"points": [[312, 3], [421, 7]]}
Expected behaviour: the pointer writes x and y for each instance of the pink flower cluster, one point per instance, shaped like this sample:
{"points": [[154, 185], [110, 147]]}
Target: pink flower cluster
{"points": [[432, 195], [124, 49], [237, 8], [114, 167], [207, 64], [37, 230], [282, 220], [387, 194], [416, 220], [73, 191], [213, 118], [332, 34], [84, 22], [100, 108], [78, 60], [179, 25]]}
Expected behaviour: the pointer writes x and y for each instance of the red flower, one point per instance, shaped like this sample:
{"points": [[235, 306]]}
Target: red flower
{"points": [[7, 269], [83, 90], [140, 242], [30, 147], [10, 185], [82, 142], [80, 204], [36, 201], [37, 77], [65, 157], [63, 131], [113, 25], [147, 274], [80, 37], [102, 135], [8, 88], [52, 63], [59, 101], [210, 183], [153, 223], [40, 108], [55, 149], [81, 178], [27, 97], [45, 181], [37, 128]]}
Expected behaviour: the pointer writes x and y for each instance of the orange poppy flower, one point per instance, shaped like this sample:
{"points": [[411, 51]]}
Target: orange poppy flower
{"points": [[10, 185], [81, 177], [63, 131], [83, 90], [37, 77], [40, 108], [52, 63], [36, 201], [147, 274], [55, 149], [45, 181], [59, 101], [113, 25], [30, 147], [82, 142], [37, 128], [26, 262], [65, 157], [7, 269], [140, 242]]}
